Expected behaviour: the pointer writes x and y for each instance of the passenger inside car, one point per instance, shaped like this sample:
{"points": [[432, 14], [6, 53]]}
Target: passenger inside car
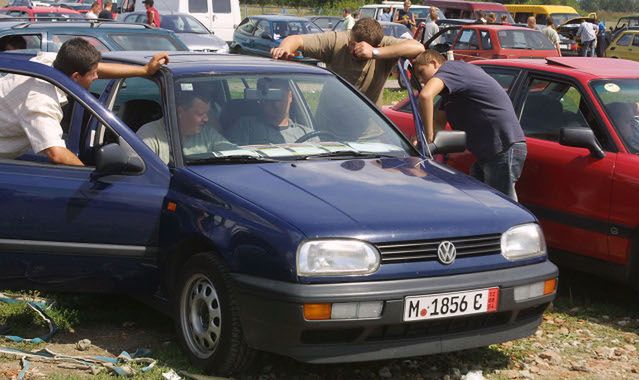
{"points": [[626, 119], [198, 133], [274, 125]]}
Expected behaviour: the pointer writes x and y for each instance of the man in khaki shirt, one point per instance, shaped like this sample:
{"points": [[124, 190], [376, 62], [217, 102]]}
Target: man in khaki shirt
{"points": [[362, 56]]}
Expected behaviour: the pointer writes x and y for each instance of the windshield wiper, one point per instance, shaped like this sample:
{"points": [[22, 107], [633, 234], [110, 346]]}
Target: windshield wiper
{"points": [[346, 154], [238, 159]]}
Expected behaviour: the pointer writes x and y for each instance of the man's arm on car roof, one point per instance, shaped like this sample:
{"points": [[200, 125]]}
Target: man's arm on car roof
{"points": [[117, 70]]}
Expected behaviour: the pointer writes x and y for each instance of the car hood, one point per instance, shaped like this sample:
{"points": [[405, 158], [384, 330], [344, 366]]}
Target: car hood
{"points": [[387, 199], [196, 41], [577, 20]]}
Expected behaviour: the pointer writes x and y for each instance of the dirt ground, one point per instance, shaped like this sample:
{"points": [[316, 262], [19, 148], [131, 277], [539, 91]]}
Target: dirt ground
{"points": [[592, 332]]}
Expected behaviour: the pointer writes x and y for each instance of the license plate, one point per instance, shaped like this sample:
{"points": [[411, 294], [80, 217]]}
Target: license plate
{"points": [[564, 46], [445, 305]]}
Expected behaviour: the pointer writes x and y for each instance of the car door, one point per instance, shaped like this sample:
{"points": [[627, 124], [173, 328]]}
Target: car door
{"points": [[620, 48], [566, 187], [466, 47], [80, 228], [263, 38]]}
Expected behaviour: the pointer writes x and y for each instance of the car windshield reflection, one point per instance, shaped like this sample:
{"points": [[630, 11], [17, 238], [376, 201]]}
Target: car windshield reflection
{"points": [[279, 117], [620, 99]]}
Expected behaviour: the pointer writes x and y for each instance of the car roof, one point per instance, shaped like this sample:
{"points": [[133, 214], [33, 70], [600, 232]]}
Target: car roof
{"points": [[495, 26], [184, 63], [279, 18], [392, 5], [77, 24], [591, 67]]}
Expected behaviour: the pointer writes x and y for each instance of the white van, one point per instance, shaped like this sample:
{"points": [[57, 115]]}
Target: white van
{"points": [[221, 16]]}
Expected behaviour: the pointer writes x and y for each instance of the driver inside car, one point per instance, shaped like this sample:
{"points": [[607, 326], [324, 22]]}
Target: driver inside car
{"points": [[196, 133], [274, 124]]}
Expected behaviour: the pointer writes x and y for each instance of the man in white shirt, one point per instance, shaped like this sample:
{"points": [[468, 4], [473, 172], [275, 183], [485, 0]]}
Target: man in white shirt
{"points": [[550, 32], [431, 28], [587, 33], [349, 21], [92, 14], [30, 108]]}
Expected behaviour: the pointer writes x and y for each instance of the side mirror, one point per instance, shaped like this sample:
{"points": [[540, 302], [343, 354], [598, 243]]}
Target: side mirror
{"points": [[113, 159], [266, 36], [448, 142], [581, 138]]}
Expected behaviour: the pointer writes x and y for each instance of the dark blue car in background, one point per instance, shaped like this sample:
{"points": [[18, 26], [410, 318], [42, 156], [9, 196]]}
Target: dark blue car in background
{"points": [[259, 34], [344, 244]]}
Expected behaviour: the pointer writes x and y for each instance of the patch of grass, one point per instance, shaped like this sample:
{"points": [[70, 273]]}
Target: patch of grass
{"points": [[391, 96]]}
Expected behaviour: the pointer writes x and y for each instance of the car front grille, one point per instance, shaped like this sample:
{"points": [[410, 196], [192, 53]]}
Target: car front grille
{"points": [[426, 250]]}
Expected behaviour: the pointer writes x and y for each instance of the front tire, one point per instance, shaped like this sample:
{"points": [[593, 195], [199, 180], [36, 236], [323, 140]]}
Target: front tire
{"points": [[207, 317]]}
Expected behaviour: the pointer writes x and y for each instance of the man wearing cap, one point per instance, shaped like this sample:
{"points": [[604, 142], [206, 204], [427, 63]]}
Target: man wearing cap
{"points": [[152, 14]]}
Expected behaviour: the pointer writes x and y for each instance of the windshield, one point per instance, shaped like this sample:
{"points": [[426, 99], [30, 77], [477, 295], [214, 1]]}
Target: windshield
{"points": [[560, 18], [397, 31], [144, 41], [524, 39], [279, 117], [282, 29], [182, 24], [620, 98], [56, 16]]}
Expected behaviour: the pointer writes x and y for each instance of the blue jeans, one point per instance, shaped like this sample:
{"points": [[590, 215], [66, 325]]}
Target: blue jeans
{"points": [[586, 50], [502, 171]]}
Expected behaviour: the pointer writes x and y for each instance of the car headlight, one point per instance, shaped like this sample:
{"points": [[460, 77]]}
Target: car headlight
{"points": [[224, 49], [523, 242], [336, 258]]}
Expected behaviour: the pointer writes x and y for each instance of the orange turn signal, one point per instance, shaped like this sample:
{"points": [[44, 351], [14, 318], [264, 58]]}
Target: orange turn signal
{"points": [[550, 286], [171, 206], [317, 311]]}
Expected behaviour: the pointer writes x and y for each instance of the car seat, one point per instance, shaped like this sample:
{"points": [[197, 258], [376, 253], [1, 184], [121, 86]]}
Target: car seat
{"points": [[137, 112]]}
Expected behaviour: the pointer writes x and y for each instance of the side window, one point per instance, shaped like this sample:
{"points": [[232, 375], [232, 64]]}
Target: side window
{"points": [[522, 17], [221, 6], [551, 105], [137, 102], [247, 26], [20, 42], [367, 12], [625, 40], [486, 43], [58, 39], [504, 77], [635, 42], [263, 27], [467, 40], [541, 19], [198, 6]]}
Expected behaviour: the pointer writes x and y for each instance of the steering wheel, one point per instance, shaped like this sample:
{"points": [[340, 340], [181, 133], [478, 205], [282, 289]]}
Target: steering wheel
{"points": [[310, 135]]}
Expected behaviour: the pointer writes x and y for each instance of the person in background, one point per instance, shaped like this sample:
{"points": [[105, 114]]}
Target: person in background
{"points": [[532, 23], [550, 32], [601, 39], [356, 15], [481, 18], [152, 14], [349, 21], [405, 16], [363, 56], [504, 20], [491, 18], [106, 13], [92, 14], [385, 15], [587, 34], [431, 28], [474, 102]]}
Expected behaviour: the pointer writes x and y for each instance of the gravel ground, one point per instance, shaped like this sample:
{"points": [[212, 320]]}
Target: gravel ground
{"points": [[592, 332]]}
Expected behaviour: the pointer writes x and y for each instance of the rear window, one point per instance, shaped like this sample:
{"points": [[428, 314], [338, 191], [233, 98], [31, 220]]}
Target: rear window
{"points": [[144, 41], [524, 39]]}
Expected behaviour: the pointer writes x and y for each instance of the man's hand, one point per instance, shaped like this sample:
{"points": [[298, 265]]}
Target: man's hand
{"points": [[281, 53], [156, 62], [363, 50]]}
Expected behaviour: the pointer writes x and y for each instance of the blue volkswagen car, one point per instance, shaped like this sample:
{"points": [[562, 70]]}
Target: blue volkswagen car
{"points": [[257, 35], [285, 213]]}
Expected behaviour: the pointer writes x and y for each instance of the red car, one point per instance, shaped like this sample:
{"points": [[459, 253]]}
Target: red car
{"points": [[481, 41], [42, 13], [581, 177]]}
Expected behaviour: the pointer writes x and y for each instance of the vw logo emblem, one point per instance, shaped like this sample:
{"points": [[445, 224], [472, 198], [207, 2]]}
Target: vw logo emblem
{"points": [[446, 252]]}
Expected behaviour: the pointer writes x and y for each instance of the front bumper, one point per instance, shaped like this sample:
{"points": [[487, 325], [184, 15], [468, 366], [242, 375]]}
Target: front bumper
{"points": [[272, 316]]}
